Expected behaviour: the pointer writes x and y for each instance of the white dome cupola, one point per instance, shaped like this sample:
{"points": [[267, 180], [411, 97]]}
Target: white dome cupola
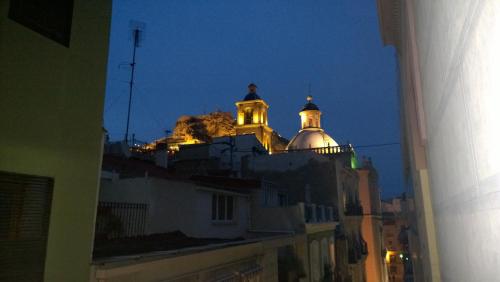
{"points": [[311, 134]]}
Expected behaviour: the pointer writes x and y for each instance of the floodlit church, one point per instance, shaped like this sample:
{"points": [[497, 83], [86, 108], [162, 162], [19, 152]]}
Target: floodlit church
{"points": [[311, 135], [252, 119]]}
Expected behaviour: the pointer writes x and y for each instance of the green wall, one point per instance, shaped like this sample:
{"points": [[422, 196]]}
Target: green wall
{"points": [[51, 108]]}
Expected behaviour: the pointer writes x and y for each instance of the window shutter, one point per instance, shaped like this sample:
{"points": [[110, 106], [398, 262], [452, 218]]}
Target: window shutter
{"points": [[24, 220]]}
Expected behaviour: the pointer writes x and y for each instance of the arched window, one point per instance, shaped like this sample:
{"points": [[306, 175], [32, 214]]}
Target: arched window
{"points": [[248, 116]]}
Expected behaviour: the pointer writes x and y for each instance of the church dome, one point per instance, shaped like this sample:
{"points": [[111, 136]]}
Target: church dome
{"points": [[251, 96], [311, 138], [252, 93], [310, 107], [311, 135]]}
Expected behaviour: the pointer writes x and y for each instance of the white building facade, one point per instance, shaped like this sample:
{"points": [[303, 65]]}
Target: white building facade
{"points": [[174, 205], [449, 68]]}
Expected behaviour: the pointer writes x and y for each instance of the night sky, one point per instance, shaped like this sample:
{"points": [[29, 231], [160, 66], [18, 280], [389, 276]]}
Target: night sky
{"points": [[199, 56]]}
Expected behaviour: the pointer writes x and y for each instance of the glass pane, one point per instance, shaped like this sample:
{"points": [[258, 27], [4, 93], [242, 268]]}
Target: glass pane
{"points": [[222, 207], [230, 207], [214, 207]]}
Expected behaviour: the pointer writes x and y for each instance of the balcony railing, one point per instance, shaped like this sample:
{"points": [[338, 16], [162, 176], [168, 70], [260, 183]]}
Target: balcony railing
{"points": [[118, 220], [320, 213], [329, 150]]}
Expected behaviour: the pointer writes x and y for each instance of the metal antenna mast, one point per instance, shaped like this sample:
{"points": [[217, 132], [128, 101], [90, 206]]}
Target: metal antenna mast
{"points": [[137, 30]]}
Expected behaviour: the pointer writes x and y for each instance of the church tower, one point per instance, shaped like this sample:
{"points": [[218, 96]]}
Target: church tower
{"points": [[310, 116], [311, 135], [252, 117]]}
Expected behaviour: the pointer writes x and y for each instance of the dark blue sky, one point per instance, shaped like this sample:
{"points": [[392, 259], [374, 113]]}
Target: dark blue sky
{"points": [[199, 56]]}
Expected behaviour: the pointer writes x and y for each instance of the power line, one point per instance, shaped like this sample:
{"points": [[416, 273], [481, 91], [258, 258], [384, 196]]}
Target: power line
{"points": [[377, 145], [148, 108], [112, 103]]}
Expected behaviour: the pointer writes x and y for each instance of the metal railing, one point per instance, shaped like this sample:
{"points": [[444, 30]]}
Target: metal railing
{"points": [[318, 213], [119, 220], [329, 150]]}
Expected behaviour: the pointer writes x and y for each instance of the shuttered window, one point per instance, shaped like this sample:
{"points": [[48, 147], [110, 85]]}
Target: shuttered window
{"points": [[24, 220]]}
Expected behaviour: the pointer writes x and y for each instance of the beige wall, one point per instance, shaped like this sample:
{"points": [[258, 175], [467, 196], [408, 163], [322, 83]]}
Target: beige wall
{"points": [[371, 225], [51, 107], [201, 265], [370, 228]]}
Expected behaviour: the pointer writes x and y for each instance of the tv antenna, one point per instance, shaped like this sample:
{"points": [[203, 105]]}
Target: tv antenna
{"points": [[137, 31]]}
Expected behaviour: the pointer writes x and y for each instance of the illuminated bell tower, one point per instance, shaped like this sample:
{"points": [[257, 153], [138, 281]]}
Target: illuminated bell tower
{"points": [[310, 116], [252, 117]]}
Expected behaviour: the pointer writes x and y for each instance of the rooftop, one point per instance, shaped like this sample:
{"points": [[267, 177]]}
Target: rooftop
{"points": [[129, 167], [227, 183], [151, 243], [134, 168]]}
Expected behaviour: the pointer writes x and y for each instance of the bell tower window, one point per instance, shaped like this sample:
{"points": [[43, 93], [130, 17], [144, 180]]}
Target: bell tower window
{"points": [[248, 116]]}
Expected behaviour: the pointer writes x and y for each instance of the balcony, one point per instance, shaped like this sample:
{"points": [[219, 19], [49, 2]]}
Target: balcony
{"points": [[312, 217], [319, 213], [353, 209]]}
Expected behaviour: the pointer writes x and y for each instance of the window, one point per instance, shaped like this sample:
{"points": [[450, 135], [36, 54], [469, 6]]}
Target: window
{"points": [[282, 200], [308, 213], [24, 222], [248, 116], [319, 213], [328, 213], [223, 207], [49, 18], [270, 196], [393, 259]]}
